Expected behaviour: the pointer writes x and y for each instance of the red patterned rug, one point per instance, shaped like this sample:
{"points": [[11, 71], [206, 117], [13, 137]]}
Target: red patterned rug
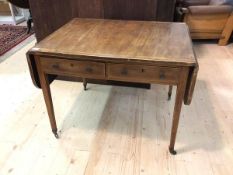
{"points": [[11, 35]]}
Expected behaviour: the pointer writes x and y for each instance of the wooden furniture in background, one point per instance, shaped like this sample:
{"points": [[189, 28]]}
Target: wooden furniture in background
{"points": [[4, 8], [10, 14], [207, 20], [48, 16], [135, 51], [25, 5]]}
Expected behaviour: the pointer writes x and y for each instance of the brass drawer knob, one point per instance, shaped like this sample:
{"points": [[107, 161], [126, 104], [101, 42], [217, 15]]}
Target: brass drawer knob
{"points": [[89, 69], [162, 76], [55, 66], [124, 72]]}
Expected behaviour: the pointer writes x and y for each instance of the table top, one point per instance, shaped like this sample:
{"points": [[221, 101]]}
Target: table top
{"points": [[122, 40]]}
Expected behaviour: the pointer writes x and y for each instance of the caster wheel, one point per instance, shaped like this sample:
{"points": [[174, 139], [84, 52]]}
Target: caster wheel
{"points": [[169, 97], [172, 151], [55, 134]]}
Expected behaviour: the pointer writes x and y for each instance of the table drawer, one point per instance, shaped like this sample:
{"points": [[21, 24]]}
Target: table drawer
{"points": [[84, 69], [140, 73]]}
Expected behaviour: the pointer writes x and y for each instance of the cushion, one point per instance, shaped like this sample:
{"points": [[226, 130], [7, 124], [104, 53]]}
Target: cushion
{"points": [[221, 2]]}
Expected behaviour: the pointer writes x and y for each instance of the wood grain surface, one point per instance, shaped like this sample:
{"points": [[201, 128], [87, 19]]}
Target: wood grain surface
{"points": [[116, 40]]}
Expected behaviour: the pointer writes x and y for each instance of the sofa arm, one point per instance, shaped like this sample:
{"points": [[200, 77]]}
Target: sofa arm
{"points": [[187, 3], [211, 9]]}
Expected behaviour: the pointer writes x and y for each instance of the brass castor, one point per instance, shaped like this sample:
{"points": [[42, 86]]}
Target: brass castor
{"points": [[172, 151], [169, 96], [55, 134]]}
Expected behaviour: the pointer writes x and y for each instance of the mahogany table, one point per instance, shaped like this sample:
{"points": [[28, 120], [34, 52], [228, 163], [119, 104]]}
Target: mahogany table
{"points": [[131, 51]]}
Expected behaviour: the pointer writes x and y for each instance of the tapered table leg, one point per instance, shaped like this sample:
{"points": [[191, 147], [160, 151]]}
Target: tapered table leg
{"points": [[85, 84], [48, 98], [177, 109], [170, 92]]}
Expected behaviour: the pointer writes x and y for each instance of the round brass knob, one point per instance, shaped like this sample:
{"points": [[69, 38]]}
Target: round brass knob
{"points": [[89, 69], [124, 72], [162, 75], [55, 66]]}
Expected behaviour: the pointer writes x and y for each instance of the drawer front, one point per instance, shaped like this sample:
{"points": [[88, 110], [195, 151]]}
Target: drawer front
{"points": [[139, 73], [86, 69]]}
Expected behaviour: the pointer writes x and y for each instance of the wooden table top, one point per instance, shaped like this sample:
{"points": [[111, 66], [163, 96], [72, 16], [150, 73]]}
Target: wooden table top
{"points": [[118, 39]]}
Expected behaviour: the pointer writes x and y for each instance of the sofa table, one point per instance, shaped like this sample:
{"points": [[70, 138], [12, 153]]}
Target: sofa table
{"points": [[131, 51]]}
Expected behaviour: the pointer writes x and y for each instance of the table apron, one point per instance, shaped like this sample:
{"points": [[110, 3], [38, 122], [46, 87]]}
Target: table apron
{"points": [[111, 71]]}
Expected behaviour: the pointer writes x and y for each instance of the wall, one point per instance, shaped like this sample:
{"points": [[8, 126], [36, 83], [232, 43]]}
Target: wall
{"points": [[50, 15]]}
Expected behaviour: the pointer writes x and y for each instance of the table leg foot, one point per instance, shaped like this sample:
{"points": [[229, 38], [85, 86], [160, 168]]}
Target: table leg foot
{"points": [[170, 93], [169, 97], [84, 84], [172, 151], [55, 134]]}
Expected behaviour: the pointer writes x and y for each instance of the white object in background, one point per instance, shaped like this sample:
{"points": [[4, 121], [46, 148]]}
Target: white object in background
{"points": [[14, 18]]}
